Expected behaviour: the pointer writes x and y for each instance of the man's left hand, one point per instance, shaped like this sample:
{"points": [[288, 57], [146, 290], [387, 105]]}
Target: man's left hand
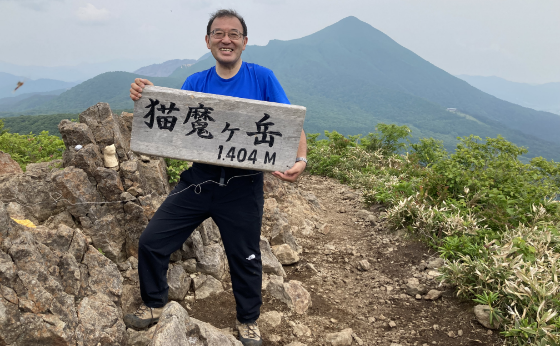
{"points": [[291, 174]]}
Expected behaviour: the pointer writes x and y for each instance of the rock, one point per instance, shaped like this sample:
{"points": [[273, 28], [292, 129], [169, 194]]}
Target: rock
{"points": [[325, 228], [136, 222], [213, 262], [275, 338], [172, 327], [433, 295], [363, 214], [193, 247], [130, 299], [209, 232], [63, 218], [206, 286], [75, 134], [311, 268], [342, 338], [294, 343], [104, 276], [270, 319], [190, 265], [364, 265], [482, 313], [312, 199], [140, 337], [8, 165], [105, 128], [100, 322], [107, 235], [108, 183], [176, 328], [178, 281], [358, 340], [155, 178], [300, 330], [392, 324], [75, 189], [414, 287], [291, 293], [70, 274], [270, 263], [285, 254], [435, 263], [89, 158]]}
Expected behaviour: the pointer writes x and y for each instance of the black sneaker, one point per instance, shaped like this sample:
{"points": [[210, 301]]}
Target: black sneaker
{"points": [[143, 317], [249, 333]]}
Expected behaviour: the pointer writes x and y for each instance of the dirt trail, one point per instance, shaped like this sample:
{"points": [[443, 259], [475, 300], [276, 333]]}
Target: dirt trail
{"points": [[373, 302]]}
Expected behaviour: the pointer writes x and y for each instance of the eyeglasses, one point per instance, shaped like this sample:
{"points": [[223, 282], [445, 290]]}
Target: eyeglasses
{"points": [[220, 34]]}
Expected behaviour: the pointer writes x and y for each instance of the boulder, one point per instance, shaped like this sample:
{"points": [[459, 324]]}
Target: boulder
{"points": [[108, 183], [193, 247], [104, 276], [270, 319], [75, 134], [100, 322], [178, 281], [270, 263], [213, 262], [88, 158], [175, 327], [209, 232], [154, 176], [8, 165], [140, 337], [105, 128], [206, 286], [291, 293], [136, 222], [285, 254]]}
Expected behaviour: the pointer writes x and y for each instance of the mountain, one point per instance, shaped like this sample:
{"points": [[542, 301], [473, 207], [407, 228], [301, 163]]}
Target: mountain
{"points": [[165, 68], [349, 82], [73, 73], [110, 87], [544, 97], [8, 83]]}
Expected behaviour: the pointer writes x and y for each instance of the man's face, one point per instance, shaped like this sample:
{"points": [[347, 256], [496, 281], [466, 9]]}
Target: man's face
{"points": [[226, 51]]}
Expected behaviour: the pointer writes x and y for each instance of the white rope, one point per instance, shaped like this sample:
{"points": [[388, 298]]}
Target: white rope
{"points": [[197, 190]]}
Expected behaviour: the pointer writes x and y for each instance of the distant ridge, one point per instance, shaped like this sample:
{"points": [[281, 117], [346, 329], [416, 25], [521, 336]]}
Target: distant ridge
{"points": [[544, 97], [165, 68]]}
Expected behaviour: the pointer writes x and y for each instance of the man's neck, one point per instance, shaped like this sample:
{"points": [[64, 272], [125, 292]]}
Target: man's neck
{"points": [[228, 71]]}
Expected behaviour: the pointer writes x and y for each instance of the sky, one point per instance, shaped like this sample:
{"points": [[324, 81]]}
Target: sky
{"points": [[518, 40]]}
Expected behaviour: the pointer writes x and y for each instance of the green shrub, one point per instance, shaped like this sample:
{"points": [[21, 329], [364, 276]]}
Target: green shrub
{"points": [[175, 168], [25, 149], [494, 218]]}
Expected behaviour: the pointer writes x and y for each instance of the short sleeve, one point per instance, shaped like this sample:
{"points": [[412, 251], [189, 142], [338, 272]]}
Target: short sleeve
{"points": [[274, 91], [187, 85]]}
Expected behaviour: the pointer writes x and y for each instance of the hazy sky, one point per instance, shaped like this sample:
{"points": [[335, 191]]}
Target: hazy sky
{"points": [[514, 39]]}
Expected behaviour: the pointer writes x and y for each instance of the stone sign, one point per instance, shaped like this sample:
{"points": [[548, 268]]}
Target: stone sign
{"points": [[215, 129]]}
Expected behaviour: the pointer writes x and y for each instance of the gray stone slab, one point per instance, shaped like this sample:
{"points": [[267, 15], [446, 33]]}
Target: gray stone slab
{"points": [[266, 135]]}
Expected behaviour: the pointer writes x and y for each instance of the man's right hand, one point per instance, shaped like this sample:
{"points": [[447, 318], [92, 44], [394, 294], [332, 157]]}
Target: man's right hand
{"points": [[137, 87]]}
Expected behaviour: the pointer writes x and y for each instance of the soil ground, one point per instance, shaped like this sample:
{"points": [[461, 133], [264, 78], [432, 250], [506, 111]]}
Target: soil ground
{"points": [[366, 301]]}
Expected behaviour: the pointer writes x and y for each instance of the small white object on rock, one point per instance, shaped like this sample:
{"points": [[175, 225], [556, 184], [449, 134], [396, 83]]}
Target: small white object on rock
{"points": [[78, 147], [110, 156]]}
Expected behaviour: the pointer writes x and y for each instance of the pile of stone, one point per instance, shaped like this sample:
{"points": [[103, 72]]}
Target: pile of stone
{"points": [[69, 278]]}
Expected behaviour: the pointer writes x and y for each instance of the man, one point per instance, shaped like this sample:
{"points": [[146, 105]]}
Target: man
{"points": [[236, 207]]}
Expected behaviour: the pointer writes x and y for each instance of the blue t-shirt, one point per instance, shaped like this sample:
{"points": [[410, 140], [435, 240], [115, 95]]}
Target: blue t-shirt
{"points": [[251, 82]]}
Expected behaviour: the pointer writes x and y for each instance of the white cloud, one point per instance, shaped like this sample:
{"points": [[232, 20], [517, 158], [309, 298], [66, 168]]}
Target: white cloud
{"points": [[93, 15]]}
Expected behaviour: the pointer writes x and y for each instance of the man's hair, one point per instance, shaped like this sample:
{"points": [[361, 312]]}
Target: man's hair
{"points": [[226, 13]]}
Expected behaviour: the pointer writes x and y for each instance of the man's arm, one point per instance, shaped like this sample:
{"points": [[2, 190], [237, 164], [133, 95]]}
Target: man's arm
{"points": [[137, 87], [293, 173]]}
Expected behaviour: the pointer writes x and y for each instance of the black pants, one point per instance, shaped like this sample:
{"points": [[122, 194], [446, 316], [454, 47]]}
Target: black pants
{"points": [[237, 210]]}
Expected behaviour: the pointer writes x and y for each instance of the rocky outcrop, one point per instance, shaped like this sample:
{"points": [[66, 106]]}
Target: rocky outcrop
{"points": [[8, 165]]}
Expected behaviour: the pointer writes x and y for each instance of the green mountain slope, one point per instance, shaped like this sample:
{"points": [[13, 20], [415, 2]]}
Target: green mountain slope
{"points": [[352, 51], [110, 87]]}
